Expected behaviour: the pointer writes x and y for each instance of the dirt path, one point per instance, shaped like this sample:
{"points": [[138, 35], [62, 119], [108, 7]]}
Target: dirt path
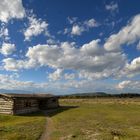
{"points": [[48, 128]]}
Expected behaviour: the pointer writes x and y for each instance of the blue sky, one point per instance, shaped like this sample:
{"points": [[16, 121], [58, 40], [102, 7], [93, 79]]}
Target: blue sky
{"points": [[70, 46]]}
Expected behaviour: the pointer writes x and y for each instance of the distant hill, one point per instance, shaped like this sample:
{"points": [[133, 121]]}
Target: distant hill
{"points": [[90, 94], [85, 95], [100, 94], [13, 91]]}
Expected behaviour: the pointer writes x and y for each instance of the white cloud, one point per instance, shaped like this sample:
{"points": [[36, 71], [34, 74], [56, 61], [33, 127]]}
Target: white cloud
{"points": [[123, 84], [131, 69], [7, 49], [77, 30], [69, 76], [10, 82], [129, 85], [35, 28], [11, 64], [127, 35], [4, 33], [56, 75], [113, 7], [91, 23], [80, 27], [92, 48], [90, 59], [138, 46], [72, 19], [10, 9]]}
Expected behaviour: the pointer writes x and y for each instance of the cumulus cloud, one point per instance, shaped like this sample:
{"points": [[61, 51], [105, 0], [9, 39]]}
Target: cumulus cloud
{"points": [[69, 76], [35, 28], [129, 85], [91, 23], [127, 35], [10, 82], [138, 46], [11, 64], [131, 69], [56, 75], [123, 84], [77, 30], [113, 7], [10, 9], [80, 27], [4, 32], [90, 58], [71, 20], [7, 49]]}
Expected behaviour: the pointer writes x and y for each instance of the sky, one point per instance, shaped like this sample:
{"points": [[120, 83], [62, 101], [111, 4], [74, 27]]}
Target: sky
{"points": [[70, 46]]}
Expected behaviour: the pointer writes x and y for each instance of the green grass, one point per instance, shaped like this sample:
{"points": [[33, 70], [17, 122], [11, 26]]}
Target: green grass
{"points": [[102, 119], [27, 127], [78, 119]]}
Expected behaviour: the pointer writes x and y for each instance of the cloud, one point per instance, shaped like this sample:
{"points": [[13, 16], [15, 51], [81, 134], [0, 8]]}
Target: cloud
{"points": [[59, 74], [11, 64], [77, 30], [56, 75], [138, 46], [123, 84], [7, 49], [129, 86], [35, 28], [113, 7], [127, 35], [4, 32], [80, 27], [91, 23], [92, 48], [10, 9], [131, 69], [71, 20], [10, 82], [93, 60], [69, 76], [90, 59]]}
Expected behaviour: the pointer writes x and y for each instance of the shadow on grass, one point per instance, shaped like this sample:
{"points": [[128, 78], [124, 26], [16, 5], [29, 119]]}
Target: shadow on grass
{"points": [[52, 112], [49, 112]]}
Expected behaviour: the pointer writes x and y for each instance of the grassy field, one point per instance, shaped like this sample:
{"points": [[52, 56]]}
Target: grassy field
{"points": [[28, 127], [97, 119], [78, 119]]}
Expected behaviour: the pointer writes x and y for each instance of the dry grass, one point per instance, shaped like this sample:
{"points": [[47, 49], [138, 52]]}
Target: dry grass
{"points": [[98, 119], [28, 127]]}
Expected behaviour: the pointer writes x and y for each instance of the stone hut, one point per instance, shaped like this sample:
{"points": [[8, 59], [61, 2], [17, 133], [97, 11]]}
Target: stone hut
{"points": [[26, 103]]}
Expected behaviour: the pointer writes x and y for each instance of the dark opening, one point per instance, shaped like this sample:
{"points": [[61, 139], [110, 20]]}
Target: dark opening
{"points": [[54, 100], [27, 104], [42, 104]]}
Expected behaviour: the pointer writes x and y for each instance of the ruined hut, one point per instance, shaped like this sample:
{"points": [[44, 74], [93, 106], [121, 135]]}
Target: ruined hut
{"points": [[26, 103]]}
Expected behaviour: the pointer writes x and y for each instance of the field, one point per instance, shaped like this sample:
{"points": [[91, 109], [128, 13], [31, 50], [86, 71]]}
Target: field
{"points": [[78, 119], [97, 119], [28, 127]]}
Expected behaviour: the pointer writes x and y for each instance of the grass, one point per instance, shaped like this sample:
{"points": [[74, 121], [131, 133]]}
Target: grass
{"points": [[78, 119], [27, 127], [97, 119]]}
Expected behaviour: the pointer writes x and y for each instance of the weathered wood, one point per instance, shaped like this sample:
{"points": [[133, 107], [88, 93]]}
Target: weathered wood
{"points": [[6, 105], [10, 105]]}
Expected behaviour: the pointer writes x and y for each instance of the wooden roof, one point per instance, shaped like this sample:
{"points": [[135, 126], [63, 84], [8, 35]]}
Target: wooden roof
{"points": [[19, 95]]}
